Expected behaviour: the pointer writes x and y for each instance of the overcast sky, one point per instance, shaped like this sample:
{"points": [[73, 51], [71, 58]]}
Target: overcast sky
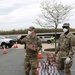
{"points": [[19, 14]]}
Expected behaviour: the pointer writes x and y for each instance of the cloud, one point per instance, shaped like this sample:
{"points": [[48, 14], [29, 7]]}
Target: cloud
{"points": [[8, 10], [19, 14]]}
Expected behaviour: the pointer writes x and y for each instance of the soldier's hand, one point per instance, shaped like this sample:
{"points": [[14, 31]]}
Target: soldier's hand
{"points": [[67, 60], [18, 37]]}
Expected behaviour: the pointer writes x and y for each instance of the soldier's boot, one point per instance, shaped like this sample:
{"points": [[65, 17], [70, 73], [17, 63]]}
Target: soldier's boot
{"points": [[26, 73]]}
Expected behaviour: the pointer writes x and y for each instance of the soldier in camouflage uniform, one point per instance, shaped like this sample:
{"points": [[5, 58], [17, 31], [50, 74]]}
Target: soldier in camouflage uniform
{"points": [[65, 50], [33, 46]]}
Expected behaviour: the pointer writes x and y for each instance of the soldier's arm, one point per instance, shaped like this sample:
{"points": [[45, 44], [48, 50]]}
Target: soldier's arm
{"points": [[39, 45], [72, 45], [58, 47], [22, 41]]}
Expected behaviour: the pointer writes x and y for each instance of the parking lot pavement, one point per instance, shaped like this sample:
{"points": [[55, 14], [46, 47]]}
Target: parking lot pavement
{"points": [[12, 63]]}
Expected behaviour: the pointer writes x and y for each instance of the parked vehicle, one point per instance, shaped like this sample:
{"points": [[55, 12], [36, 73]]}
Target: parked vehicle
{"points": [[45, 39], [6, 42]]}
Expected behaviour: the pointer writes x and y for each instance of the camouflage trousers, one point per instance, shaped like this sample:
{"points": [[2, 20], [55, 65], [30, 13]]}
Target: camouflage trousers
{"points": [[30, 63], [63, 66]]}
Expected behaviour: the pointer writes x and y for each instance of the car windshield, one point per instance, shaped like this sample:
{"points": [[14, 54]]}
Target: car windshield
{"points": [[2, 37]]}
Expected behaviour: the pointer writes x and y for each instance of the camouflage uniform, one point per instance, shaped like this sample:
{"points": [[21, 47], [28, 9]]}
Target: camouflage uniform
{"points": [[65, 49], [31, 55]]}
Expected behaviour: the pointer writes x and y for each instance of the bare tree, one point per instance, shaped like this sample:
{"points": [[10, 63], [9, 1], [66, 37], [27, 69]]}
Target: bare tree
{"points": [[53, 13]]}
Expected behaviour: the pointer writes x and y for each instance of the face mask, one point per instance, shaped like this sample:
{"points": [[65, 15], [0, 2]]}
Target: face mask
{"points": [[29, 32], [65, 30]]}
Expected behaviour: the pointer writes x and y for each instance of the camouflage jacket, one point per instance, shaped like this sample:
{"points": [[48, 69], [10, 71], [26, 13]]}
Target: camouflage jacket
{"points": [[66, 45], [29, 40]]}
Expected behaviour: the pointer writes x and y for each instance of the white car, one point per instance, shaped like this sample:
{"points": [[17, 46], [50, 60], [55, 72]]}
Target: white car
{"points": [[6, 42], [45, 39]]}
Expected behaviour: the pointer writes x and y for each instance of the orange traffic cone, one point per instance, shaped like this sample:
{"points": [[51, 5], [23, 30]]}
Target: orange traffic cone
{"points": [[38, 67], [37, 72], [4, 51], [38, 60], [39, 64], [40, 55], [16, 46]]}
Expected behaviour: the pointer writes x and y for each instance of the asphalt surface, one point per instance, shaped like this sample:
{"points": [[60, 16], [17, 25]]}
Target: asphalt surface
{"points": [[12, 62]]}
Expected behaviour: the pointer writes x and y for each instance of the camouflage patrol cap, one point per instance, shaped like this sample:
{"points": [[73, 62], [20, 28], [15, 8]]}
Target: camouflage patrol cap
{"points": [[66, 25], [31, 28]]}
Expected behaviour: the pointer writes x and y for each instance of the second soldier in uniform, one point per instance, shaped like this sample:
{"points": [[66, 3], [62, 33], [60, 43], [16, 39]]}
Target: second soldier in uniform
{"points": [[65, 50], [33, 46]]}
